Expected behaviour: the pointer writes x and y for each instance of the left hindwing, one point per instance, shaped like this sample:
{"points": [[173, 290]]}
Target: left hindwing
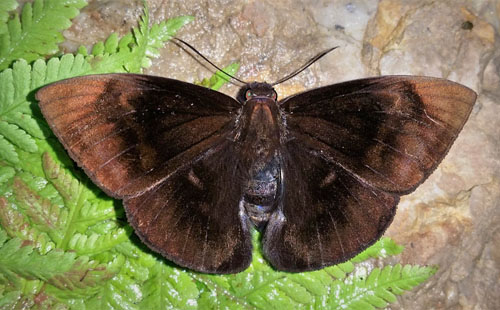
{"points": [[194, 217]]}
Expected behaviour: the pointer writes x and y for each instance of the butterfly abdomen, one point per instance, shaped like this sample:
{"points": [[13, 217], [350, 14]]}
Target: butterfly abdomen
{"points": [[261, 192]]}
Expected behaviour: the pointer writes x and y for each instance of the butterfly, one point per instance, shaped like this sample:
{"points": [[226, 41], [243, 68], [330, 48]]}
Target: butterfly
{"points": [[320, 173]]}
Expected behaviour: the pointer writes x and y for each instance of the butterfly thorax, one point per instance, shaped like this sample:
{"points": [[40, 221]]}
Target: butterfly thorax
{"points": [[259, 141]]}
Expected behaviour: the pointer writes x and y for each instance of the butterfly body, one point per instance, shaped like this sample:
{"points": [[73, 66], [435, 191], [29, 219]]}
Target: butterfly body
{"points": [[258, 138], [320, 172]]}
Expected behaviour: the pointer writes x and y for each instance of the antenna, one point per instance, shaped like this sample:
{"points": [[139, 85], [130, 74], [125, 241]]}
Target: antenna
{"points": [[206, 59], [305, 66], [286, 78]]}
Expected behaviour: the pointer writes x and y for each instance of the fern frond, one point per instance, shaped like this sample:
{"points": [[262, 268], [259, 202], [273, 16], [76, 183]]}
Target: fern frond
{"points": [[21, 260], [6, 6], [85, 273], [17, 136], [6, 173], [261, 287], [169, 288], [42, 214], [219, 78], [73, 193], [78, 236], [57, 69], [37, 31], [18, 128], [92, 213], [158, 35], [95, 277], [382, 248], [14, 107], [134, 51], [11, 300], [8, 151], [17, 225], [66, 184], [96, 243], [378, 288], [121, 292]]}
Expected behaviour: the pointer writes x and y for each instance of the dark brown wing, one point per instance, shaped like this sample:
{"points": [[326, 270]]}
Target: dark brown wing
{"points": [[164, 147], [128, 132], [352, 149], [325, 215], [194, 218], [390, 131]]}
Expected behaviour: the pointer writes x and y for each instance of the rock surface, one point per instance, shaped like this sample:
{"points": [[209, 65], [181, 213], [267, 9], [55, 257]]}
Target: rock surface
{"points": [[453, 219]]}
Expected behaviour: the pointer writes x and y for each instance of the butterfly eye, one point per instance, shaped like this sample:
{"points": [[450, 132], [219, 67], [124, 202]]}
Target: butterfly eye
{"points": [[274, 95], [249, 94]]}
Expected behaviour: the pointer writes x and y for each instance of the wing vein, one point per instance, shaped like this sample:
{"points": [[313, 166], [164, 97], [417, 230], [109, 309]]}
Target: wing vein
{"points": [[107, 162]]}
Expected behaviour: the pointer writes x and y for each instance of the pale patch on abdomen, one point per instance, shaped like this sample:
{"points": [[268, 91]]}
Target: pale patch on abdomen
{"points": [[259, 198]]}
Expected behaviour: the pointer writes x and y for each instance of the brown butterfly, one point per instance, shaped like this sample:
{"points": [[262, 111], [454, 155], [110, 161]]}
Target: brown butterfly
{"points": [[320, 172]]}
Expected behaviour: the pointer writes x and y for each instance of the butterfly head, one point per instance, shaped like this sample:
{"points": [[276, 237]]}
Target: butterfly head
{"points": [[256, 90]]}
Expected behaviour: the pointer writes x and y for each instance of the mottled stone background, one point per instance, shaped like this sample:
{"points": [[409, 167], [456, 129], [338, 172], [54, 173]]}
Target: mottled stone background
{"points": [[453, 219]]}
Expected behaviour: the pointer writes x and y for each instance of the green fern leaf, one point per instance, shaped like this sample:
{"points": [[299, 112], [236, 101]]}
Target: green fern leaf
{"points": [[98, 49], [7, 151], [168, 288], [42, 214], [17, 136], [14, 86], [67, 186], [133, 51], [92, 213], [111, 44], [121, 292], [261, 287], [74, 196], [382, 248], [378, 288], [96, 243], [10, 300], [85, 274], [130, 53], [17, 126], [78, 236], [19, 300], [219, 78], [17, 225], [36, 32], [6, 173], [63, 270], [161, 32], [26, 124], [148, 40], [5, 7], [85, 280], [57, 69]]}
